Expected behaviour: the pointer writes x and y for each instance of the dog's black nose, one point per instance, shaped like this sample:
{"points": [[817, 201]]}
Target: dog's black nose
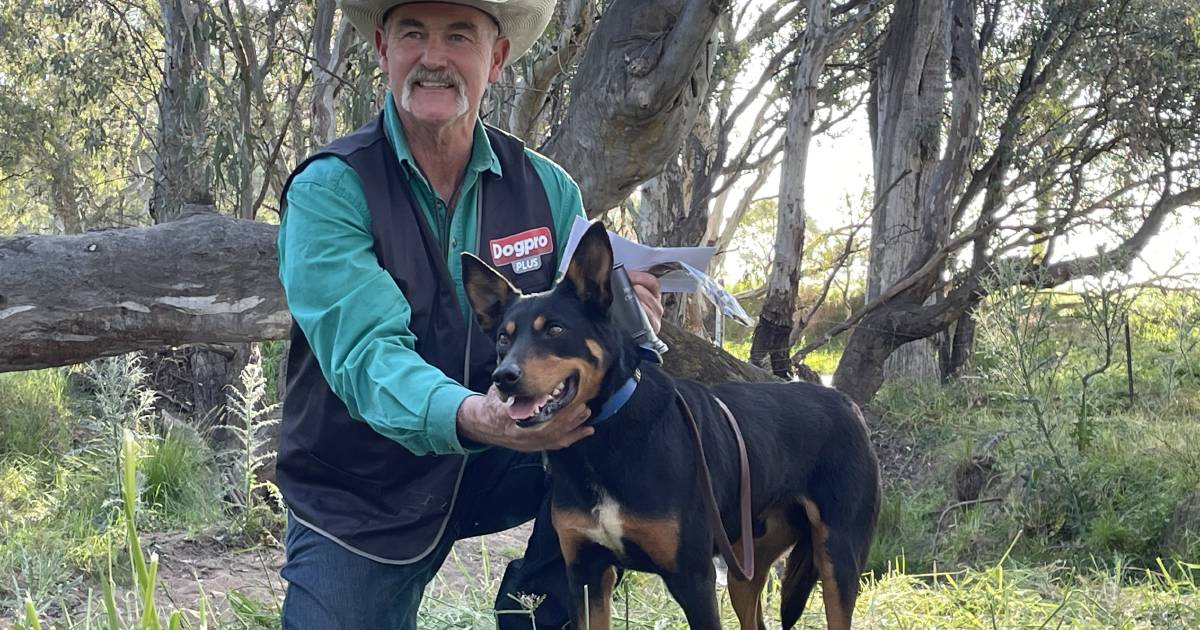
{"points": [[507, 375]]}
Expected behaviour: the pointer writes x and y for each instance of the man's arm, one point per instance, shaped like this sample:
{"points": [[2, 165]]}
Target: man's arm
{"points": [[356, 321], [354, 316]]}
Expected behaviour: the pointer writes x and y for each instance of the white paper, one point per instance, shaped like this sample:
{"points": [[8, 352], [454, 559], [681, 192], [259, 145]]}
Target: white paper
{"points": [[678, 268], [640, 257]]}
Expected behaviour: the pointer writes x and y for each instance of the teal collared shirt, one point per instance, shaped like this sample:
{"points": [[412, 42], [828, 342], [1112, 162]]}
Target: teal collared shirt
{"points": [[355, 318]]}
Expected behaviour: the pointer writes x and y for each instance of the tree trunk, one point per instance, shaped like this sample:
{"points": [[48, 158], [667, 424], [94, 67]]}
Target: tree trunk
{"points": [[907, 99], [183, 175], [663, 198], [914, 197], [770, 340], [642, 81], [329, 52], [528, 115], [775, 322], [65, 187], [181, 168], [961, 346]]}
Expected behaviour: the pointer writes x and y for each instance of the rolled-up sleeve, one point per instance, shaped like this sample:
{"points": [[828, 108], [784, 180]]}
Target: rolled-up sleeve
{"points": [[355, 318]]}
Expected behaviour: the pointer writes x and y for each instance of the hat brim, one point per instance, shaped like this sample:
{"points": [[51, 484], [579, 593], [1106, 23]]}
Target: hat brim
{"points": [[521, 21]]}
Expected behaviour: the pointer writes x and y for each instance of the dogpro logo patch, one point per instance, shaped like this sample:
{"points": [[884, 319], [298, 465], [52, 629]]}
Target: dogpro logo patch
{"points": [[523, 250]]}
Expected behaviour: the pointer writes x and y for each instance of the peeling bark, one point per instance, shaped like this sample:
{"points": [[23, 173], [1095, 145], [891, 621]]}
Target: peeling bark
{"points": [[636, 94]]}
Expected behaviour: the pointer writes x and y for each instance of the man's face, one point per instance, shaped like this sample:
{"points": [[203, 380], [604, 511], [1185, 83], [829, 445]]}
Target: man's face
{"points": [[439, 58]]}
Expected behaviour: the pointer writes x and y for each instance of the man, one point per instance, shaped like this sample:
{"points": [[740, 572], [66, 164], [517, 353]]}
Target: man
{"points": [[389, 450]]}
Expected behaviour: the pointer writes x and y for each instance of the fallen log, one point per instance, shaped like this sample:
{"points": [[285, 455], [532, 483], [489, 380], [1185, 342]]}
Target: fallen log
{"points": [[205, 278], [73, 298]]}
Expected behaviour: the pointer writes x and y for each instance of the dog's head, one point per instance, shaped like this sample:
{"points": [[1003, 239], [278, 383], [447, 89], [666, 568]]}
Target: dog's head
{"points": [[558, 349]]}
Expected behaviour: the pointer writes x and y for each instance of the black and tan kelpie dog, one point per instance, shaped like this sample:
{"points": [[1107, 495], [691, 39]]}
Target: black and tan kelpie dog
{"points": [[629, 496]]}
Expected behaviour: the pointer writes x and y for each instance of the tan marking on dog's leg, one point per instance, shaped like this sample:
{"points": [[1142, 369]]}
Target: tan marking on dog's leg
{"points": [[658, 538], [600, 602], [778, 537], [539, 323], [745, 599], [571, 525], [836, 616]]}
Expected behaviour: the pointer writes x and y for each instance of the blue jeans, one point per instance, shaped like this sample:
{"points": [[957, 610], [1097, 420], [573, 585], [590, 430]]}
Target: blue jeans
{"points": [[330, 587]]}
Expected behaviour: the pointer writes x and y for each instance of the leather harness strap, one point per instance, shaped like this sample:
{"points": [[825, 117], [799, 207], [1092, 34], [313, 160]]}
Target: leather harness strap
{"points": [[743, 570]]}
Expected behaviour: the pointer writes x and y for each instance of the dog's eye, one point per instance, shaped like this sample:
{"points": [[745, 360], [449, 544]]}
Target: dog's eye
{"points": [[554, 330], [502, 339]]}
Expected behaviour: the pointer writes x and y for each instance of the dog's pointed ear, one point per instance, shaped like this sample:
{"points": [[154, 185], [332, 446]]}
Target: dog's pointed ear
{"points": [[488, 292], [590, 269]]}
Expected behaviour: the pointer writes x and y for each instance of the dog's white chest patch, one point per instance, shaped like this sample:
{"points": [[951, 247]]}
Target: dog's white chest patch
{"points": [[608, 530]]}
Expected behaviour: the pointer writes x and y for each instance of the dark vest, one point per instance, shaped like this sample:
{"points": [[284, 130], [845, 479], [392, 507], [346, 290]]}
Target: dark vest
{"points": [[337, 474]]}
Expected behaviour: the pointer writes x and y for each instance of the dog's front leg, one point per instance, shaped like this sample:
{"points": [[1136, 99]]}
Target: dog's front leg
{"points": [[696, 592], [592, 567]]}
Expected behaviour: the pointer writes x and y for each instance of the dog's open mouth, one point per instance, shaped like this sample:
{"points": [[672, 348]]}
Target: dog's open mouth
{"points": [[531, 411]]}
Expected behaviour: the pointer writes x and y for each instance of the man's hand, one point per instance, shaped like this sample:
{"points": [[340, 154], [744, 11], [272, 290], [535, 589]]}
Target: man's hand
{"points": [[485, 419], [647, 289]]}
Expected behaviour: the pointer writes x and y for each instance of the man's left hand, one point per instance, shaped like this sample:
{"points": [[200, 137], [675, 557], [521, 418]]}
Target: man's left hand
{"points": [[649, 294]]}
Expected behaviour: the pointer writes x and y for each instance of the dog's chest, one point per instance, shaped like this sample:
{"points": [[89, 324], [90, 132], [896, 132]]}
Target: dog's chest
{"points": [[607, 527], [613, 527]]}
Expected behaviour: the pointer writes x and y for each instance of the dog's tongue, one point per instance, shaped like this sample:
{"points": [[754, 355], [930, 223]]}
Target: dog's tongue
{"points": [[522, 408]]}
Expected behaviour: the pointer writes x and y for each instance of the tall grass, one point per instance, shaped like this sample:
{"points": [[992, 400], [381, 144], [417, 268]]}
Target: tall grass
{"points": [[144, 613], [60, 512], [1003, 594], [33, 414]]}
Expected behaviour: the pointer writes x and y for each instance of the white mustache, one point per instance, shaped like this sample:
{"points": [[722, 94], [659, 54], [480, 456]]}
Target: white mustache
{"points": [[423, 75]]}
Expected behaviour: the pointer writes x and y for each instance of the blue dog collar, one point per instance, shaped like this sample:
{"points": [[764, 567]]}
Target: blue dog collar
{"points": [[617, 400]]}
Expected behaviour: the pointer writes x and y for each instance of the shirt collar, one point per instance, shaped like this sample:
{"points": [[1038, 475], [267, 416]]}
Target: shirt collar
{"points": [[483, 157]]}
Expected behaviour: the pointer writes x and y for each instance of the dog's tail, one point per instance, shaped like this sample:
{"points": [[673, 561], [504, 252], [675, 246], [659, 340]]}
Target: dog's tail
{"points": [[800, 575]]}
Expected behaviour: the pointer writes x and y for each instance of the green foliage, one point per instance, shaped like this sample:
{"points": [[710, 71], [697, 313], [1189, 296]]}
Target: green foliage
{"points": [[250, 425], [1001, 594], [1103, 500], [120, 398], [272, 370], [60, 513], [33, 413], [752, 248], [178, 476], [1083, 553], [903, 512], [54, 518]]}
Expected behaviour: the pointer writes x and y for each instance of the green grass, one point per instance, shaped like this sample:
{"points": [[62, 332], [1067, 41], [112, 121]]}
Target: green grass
{"points": [[33, 413], [1002, 595], [59, 504], [1069, 534], [178, 480]]}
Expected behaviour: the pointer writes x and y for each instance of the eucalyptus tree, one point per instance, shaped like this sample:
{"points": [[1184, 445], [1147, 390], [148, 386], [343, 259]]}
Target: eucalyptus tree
{"points": [[822, 37], [1063, 120]]}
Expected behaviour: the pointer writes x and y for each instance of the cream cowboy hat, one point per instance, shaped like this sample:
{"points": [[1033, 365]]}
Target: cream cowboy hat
{"points": [[521, 21]]}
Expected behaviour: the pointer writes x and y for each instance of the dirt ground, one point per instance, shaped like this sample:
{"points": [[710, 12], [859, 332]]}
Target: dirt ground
{"points": [[191, 564]]}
